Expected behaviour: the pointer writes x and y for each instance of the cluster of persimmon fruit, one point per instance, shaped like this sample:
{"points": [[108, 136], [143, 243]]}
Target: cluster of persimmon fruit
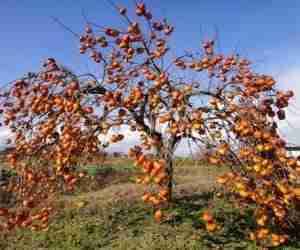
{"points": [[268, 176], [56, 115], [43, 154], [152, 171], [24, 215], [210, 222]]}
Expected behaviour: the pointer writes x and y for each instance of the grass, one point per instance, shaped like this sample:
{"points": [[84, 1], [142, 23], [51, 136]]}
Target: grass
{"points": [[113, 217], [129, 225]]}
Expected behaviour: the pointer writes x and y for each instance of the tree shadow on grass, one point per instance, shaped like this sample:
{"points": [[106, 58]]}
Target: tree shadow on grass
{"points": [[189, 208], [235, 227]]}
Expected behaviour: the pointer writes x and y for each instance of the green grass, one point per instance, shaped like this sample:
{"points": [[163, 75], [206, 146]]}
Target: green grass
{"points": [[113, 217], [120, 225], [107, 168], [129, 225]]}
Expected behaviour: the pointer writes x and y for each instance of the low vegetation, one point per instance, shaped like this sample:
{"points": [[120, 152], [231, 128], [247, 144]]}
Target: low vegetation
{"points": [[112, 216]]}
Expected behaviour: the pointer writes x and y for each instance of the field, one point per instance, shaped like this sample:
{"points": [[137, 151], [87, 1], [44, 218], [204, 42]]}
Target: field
{"points": [[107, 213]]}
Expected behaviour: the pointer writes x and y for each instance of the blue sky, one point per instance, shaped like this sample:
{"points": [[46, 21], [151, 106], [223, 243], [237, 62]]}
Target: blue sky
{"points": [[268, 32]]}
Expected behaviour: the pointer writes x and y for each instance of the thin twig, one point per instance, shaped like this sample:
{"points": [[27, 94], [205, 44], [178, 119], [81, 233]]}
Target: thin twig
{"points": [[55, 19]]}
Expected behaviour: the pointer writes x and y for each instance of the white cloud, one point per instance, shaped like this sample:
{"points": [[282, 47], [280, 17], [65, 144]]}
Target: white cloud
{"points": [[5, 134], [187, 149], [130, 139], [290, 128]]}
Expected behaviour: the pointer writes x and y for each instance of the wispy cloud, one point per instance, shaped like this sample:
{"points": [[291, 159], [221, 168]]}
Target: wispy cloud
{"points": [[290, 79], [5, 134], [130, 139]]}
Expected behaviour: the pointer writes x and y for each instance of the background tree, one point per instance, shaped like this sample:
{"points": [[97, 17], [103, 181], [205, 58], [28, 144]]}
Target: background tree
{"points": [[211, 99]]}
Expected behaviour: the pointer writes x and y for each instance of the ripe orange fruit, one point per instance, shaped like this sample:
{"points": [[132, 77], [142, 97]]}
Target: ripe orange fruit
{"points": [[3, 211], [211, 227], [221, 179], [207, 216], [158, 215], [146, 197]]}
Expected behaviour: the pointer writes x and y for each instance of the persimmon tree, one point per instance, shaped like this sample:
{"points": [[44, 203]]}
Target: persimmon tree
{"points": [[208, 98]]}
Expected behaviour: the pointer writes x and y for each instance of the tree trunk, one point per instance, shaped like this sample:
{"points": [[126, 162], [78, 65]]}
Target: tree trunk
{"points": [[166, 153], [156, 151], [169, 169]]}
